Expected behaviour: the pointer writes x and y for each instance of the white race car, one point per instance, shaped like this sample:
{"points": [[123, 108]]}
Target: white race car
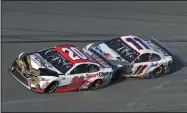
{"points": [[61, 68], [149, 59]]}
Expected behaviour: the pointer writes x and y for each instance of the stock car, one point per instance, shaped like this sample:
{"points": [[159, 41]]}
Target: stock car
{"points": [[148, 58], [59, 69]]}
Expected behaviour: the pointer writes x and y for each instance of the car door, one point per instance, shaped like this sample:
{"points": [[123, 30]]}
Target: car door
{"points": [[93, 71], [155, 61], [141, 65], [75, 76]]}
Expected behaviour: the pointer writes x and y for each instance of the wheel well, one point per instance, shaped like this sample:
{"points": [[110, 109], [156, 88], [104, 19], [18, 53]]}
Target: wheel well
{"points": [[96, 81], [162, 66], [47, 88], [158, 67]]}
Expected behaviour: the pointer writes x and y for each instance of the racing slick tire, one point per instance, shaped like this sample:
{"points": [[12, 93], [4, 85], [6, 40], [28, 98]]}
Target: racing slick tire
{"points": [[159, 71], [51, 87], [95, 85]]}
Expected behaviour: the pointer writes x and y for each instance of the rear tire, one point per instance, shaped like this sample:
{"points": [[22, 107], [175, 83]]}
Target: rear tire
{"points": [[157, 72], [95, 85], [51, 87]]}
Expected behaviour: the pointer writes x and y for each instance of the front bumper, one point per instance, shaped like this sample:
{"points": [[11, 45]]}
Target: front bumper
{"points": [[16, 73]]}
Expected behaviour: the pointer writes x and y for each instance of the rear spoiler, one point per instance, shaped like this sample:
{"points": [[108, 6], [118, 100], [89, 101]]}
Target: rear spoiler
{"points": [[161, 46]]}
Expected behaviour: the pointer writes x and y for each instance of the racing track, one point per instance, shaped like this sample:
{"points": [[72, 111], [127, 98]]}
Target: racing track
{"points": [[30, 26]]}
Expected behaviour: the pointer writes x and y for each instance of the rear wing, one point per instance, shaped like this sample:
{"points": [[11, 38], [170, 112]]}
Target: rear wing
{"points": [[161, 46]]}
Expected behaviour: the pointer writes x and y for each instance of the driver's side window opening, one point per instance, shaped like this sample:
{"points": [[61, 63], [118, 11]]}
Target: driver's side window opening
{"points": [[143, 58], [154, 57], [83, 68], [93, 68]]}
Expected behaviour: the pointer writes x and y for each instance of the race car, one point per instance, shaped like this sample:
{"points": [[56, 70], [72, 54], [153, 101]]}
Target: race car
{"points": [[149, 59], [59, 69]]}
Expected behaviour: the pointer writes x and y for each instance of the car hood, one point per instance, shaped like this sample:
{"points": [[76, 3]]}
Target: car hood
{"points": [[37, 61]]}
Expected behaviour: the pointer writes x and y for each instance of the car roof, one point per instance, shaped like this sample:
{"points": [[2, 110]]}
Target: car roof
{"points": [[67, 55], [141, 51]]}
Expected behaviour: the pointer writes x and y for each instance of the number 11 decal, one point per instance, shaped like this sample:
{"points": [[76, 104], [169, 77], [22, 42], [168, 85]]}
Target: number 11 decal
{"points": [[136, 42], [139, 69]]}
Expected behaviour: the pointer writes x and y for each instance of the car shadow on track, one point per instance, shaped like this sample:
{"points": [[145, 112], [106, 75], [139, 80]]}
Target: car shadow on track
{"points": [[115, 82], [178, 63]]}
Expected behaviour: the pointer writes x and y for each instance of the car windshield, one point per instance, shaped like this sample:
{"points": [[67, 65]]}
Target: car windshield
{"points": [[98, 60], [57, 60], [120, 47]]}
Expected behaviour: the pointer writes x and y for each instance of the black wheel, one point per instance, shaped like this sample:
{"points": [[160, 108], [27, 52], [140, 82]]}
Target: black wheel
{"points": [[51, 87], [95, 85], [159, 71]]}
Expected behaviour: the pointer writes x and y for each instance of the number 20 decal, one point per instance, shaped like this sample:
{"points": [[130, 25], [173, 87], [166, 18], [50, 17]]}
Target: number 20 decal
{"points": [[72, 51], [137, 45], [139, 69]]}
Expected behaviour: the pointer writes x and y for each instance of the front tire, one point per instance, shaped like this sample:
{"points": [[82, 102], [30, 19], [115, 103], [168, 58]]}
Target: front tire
{"points": [[51, 87]]}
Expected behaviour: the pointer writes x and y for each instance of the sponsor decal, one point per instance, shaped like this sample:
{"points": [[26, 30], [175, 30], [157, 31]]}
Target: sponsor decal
{"points": [[99, 74], [76, 82], [99, 60], [105, 74], [37, 62], [43, 62], [108, 56], [98, 49], [45, 84], [93, 75], [63, 78], [155, 65]]}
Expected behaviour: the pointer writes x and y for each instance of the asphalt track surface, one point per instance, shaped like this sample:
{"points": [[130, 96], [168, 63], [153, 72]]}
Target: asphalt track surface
{"points": [[30, 26]]}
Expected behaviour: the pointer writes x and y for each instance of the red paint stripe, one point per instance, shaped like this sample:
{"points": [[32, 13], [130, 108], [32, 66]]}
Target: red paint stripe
{"points": [[138, 68], [143, 67], [38, 90], [67, 89]]}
